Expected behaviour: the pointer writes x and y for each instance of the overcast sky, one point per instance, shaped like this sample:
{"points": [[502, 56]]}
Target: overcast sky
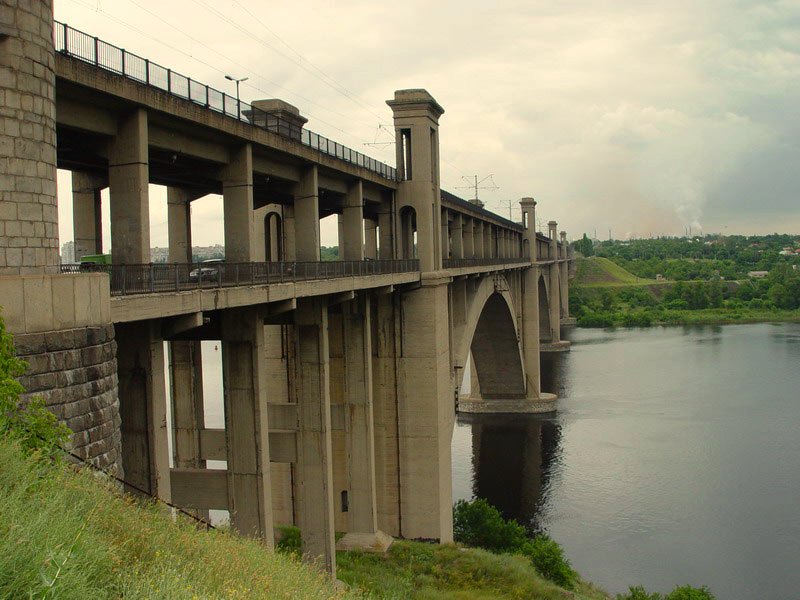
{"points": [[642, 117]]}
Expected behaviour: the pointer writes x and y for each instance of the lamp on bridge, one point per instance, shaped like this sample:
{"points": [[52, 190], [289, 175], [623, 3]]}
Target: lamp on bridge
{"points": [[238, 103]]}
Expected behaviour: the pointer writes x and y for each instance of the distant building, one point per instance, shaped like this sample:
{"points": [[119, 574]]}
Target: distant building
{"points": [[757, 274], [67, 253]]}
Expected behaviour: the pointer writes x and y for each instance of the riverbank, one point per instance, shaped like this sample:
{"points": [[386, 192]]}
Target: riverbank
{"points": [[665, 316]]}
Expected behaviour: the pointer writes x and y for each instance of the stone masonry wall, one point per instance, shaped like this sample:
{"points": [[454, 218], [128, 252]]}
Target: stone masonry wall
{"points": [[75, 370], [28, 209]]}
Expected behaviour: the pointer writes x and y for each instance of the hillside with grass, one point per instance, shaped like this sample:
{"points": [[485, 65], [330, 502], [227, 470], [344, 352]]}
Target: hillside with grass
{"points": [[596, 271]]}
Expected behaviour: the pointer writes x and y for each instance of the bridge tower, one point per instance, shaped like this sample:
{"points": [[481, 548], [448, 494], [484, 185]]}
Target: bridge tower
{"points": [[61, 323], [426, 403]]}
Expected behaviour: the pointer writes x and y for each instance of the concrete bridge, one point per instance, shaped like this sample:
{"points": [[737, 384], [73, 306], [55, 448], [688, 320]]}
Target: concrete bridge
{"points": [[341, 379]]}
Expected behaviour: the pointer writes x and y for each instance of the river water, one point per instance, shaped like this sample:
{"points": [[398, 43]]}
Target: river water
{"points": [[674, 458]]}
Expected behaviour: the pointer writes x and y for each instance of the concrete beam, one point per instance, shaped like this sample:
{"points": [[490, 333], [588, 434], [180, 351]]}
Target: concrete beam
{"points": [[200, 488], [172, 327]]}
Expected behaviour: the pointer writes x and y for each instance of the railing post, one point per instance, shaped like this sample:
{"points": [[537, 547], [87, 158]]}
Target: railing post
{"points": [[147, 71], [177, 278], [96, 51], [123, 61], [152, 279], [169, 80], [206, 96], [237, 273], [66, 44], [124, 280]]}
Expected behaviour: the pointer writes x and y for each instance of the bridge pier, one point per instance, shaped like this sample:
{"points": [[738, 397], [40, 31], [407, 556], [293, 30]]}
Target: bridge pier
{"points": [[87, 224]]}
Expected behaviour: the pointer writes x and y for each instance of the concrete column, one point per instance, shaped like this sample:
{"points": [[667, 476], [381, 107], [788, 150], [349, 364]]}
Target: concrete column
{"points": [[426, 414], [244, 378], [528, 208], [143, 408], [128, 180], [555, 286], [186, 386], [386, 224], [564, 276], [314, 470], [306, 216], [28, 201], [530, 331], [289, 235], [387, 468], [480, 247], [352, 240], [237, 198], [416, 121], [370, 239], [457, 236], [87, 222], [179, 222], [488, 241], [362, 516], [468, 237], [445, 220]]}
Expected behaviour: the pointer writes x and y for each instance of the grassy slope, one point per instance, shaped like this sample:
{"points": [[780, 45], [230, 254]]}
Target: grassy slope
{"points": [[596, 271], [73, 530], [431, 572]]}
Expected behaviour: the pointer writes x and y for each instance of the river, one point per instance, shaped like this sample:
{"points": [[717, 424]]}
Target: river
{"points": [[674, 457]]}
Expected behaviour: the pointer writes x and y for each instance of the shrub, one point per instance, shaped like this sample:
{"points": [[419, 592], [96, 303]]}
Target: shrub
{"points": [[596, 319], [31, 425], [637, 319], [290, 542], [478, 523], [686, 592], [549, 560], [639, 593]]}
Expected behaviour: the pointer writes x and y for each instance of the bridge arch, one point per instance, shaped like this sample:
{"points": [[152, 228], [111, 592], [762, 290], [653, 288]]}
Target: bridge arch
{"points": [[408, 231], [490, 335], [273, 236], [545, 328]]}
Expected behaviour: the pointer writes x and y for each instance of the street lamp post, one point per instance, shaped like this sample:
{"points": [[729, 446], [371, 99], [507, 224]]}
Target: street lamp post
{"points": [[238, 103]]}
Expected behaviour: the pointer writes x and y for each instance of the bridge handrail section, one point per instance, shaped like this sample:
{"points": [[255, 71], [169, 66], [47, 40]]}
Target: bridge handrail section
{"points": [[177, 277], [460, 263], [92, 50]]}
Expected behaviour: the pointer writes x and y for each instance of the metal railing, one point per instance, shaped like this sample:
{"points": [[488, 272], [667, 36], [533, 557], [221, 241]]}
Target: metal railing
{"points": [[459, 263], [90, 49], [175, 277]]}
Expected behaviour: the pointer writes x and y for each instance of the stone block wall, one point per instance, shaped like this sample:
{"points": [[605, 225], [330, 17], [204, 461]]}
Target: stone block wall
{"points": [[75, 371], [28, 205]]}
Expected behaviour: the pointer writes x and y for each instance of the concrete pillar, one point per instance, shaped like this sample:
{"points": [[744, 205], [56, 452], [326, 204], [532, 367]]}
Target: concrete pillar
{"points": [[306, 216], [445, 222], [530, 331], [237, 198], [488, 241], [555, 286], [564, 276], [28, 202], [289, 234], [457, 236], [386, 225], [314, 470], [480, 247], [351, 239], [87, 222], [128, 180], [370, 239], [244, 378], [426, 411], [416, 121], [143, 408], [385, 405], [186, 386], [362, 516], [528, 208], [179, 222], [468, 237]]}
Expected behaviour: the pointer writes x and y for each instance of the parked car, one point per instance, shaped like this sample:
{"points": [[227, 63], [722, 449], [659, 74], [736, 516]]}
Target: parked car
{"points": [[209, 270]]}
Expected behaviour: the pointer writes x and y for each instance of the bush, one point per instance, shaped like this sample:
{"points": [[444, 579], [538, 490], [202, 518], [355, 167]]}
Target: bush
{"points": [[596, 319], [31, 425], [637, 319], [549, 560], [685, 592], [290, 542], [478, 523]]}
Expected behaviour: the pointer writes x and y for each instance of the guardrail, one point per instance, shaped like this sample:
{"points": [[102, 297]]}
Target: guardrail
{"points": [[91, 49], [171, 277], [459, 263]]}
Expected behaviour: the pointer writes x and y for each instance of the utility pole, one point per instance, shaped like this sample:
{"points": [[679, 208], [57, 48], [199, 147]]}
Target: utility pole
{"points": [[475, 185]]}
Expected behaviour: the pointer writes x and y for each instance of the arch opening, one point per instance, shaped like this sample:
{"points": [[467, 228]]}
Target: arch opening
{"points": [[273, 235], [496, 353], [545, 331], [408, 232]]}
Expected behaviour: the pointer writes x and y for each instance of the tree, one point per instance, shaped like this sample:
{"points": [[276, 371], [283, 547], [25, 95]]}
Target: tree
{"points": [[585, 246]]}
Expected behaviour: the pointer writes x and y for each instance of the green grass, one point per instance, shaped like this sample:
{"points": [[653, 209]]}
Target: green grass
{"points": [[67, 534], [596, 271], [423, 571], [721, 316]]}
